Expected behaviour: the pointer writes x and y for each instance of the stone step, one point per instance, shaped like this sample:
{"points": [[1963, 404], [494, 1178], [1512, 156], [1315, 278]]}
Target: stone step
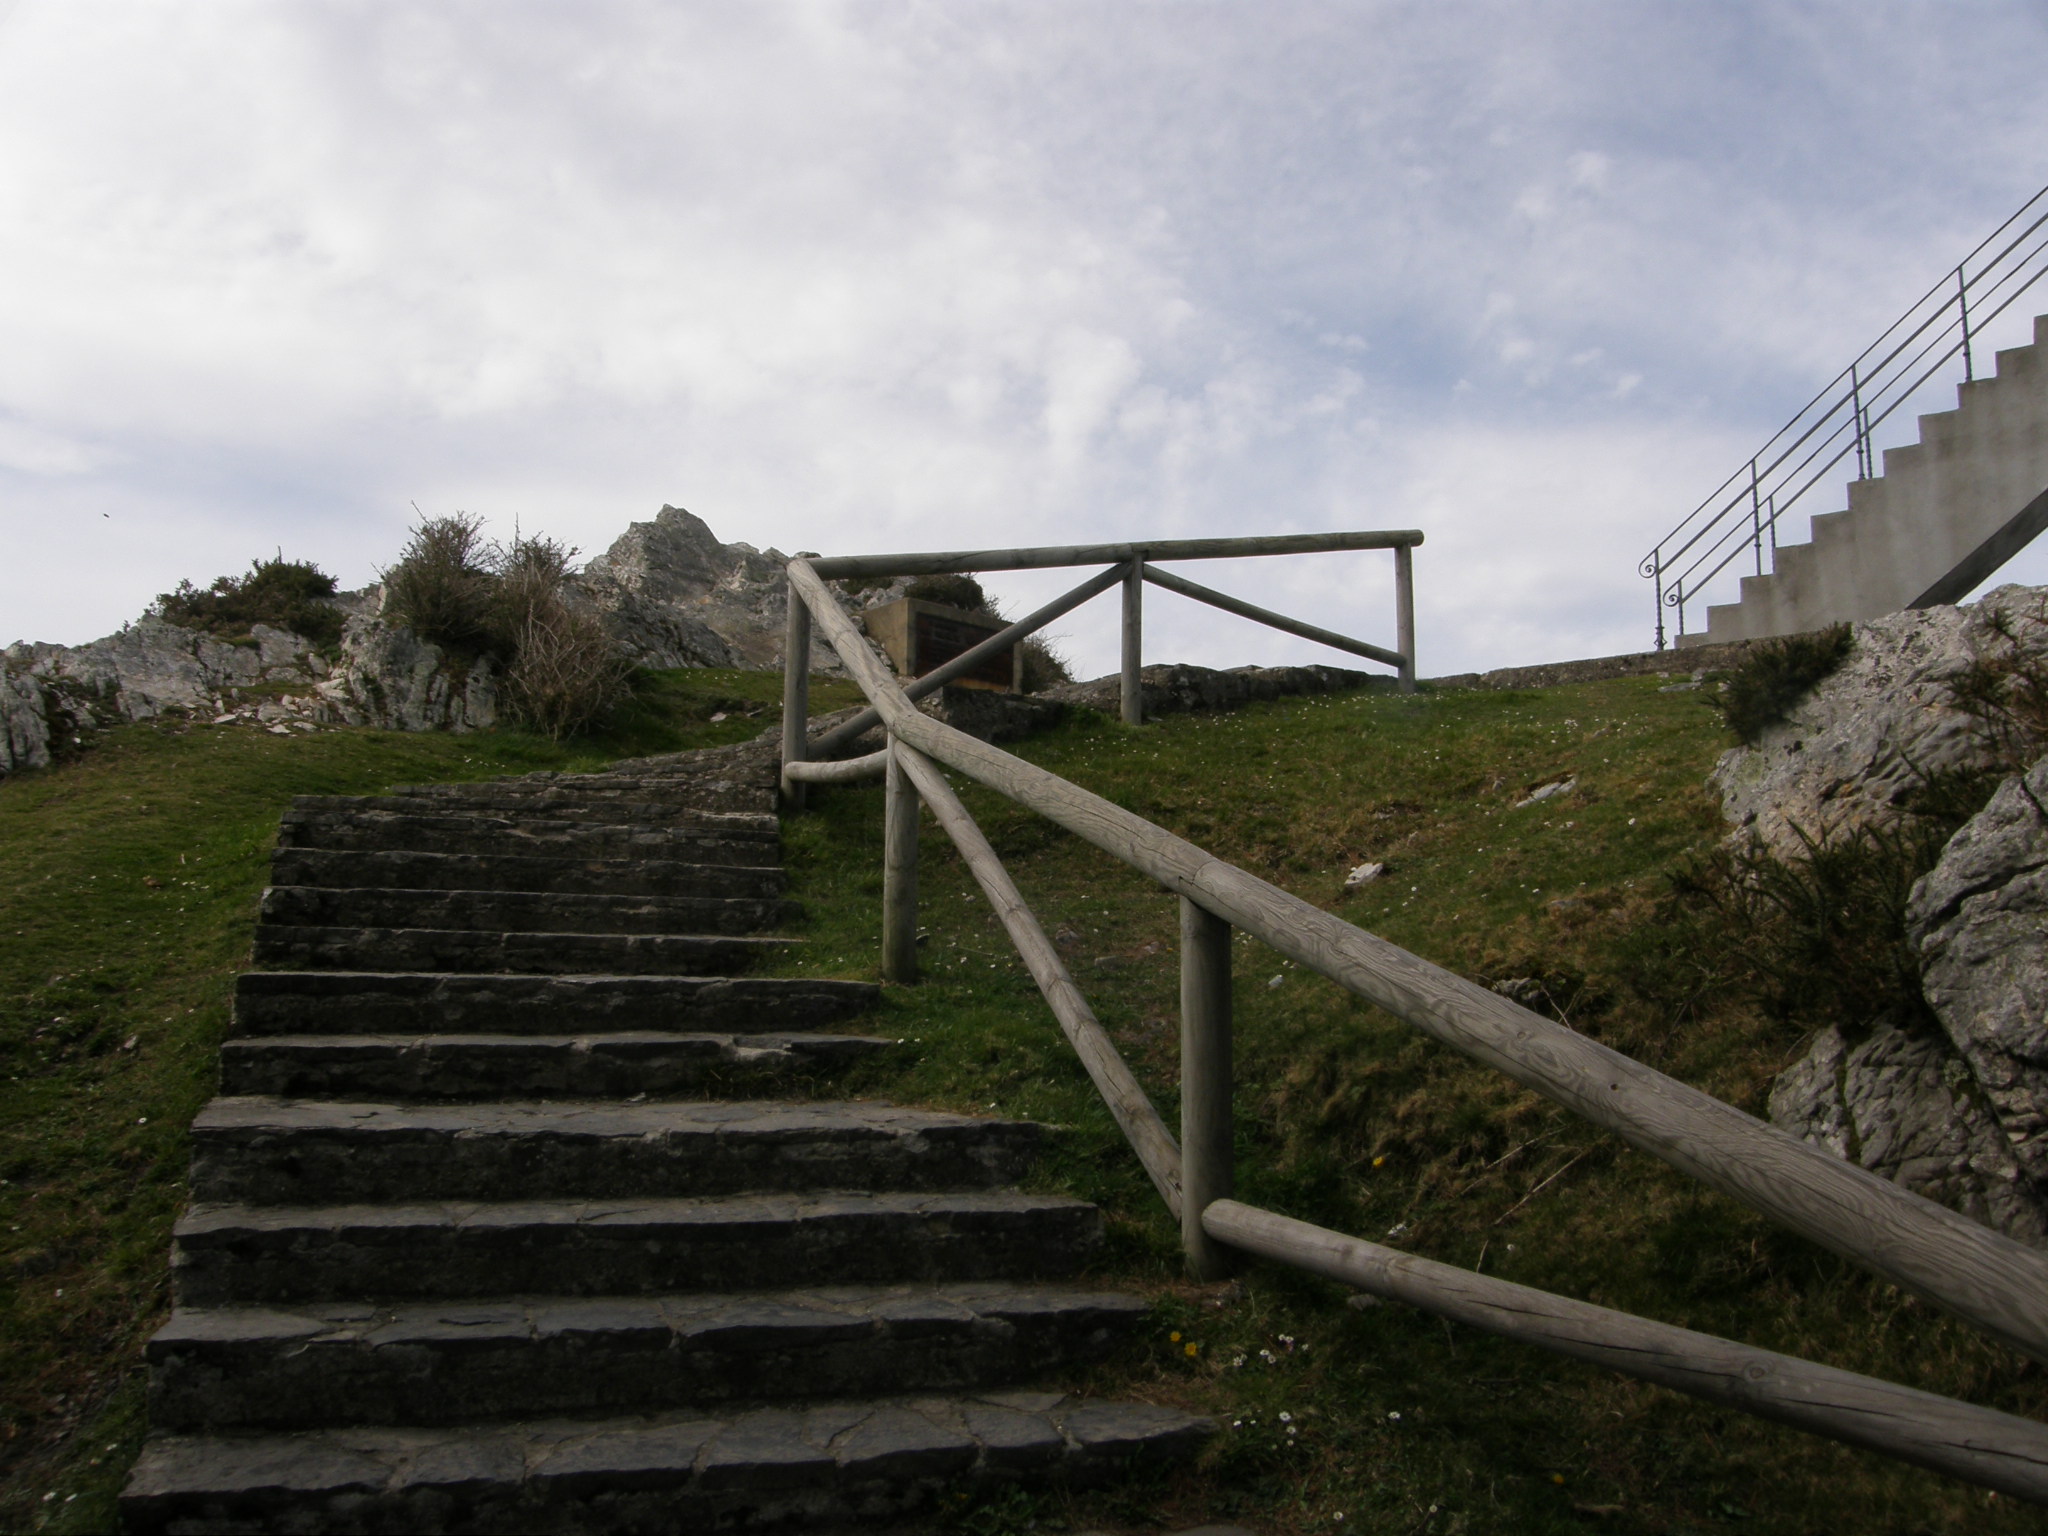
{"points": [[305, 1152], [237, 1254], [424, 1003], [399, 868], [387, 1067], [522, 911], [708, 843], [299, 947], [752, 792], [629, 808], [820, 1465], [341, 1363]]}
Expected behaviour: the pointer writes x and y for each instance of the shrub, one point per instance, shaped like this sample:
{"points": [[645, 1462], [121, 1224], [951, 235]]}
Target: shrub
{"points": [[444, 589], [286, 594], [1772, 679], [561, 672], [955, 590], [1044, 667], [565, 672]]}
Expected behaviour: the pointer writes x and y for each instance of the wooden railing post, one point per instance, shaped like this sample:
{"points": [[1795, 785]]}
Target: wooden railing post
{"points": [[1134, 634], [796, 696], [899, 872], [1206, 1172], [1404, 612]]}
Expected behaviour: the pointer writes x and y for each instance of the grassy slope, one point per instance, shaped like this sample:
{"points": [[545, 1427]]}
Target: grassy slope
{"points": [[1346, 1116], [128, 885], [1386, 1417]]}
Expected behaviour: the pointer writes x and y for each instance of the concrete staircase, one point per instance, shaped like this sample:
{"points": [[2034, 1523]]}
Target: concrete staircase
{"points": [[1947, 512], [508, 1218]]}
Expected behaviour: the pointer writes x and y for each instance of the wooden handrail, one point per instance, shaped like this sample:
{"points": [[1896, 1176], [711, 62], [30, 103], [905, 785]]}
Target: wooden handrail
{"points": [[1980, 1445], [945, 563], [1981, 1275], [1237, 605]]}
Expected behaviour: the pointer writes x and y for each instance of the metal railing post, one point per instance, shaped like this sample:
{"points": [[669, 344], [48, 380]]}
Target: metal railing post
{"points": [[1134, 627], [1657, 577], [1756, 518], [1963, 304], [1205, 1084], [1856, 406], [1404, 613], [899, 872], [796, 696]]}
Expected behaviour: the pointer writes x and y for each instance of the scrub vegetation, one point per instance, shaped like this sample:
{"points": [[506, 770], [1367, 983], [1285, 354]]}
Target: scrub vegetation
{"points": [[130, 888]]}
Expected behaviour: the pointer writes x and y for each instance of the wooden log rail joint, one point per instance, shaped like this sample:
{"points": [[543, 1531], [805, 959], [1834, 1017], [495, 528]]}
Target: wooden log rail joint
{"points": [[1980, 1275]]}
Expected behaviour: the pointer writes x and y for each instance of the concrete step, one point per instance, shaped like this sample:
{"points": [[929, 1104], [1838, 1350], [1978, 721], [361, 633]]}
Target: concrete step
{"points": [[317, 1365], [271, 1151], [238, 1254], [704, 843], [822, 1465], [298, 947], [387, 1067], [627, 808], [397, 868], [523, 911], [426, 1003]]}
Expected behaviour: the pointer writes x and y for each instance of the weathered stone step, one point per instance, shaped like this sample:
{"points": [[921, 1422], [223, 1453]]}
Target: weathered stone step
{"points": [[424, 1003], [752, 792], [522, 911], [540, 873], [429, 1363], [709, 843], [527, 1066], [817, 1465], [229, 1254], [270, 1151], [299, 947], [603, 808]]}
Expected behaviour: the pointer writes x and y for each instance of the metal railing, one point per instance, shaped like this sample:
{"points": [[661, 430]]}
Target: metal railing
{"points": [[1740, 516], [1981, 1276]]}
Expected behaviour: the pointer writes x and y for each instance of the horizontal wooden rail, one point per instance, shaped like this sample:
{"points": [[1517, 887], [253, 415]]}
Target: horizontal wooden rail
{"points": [[1979, 1445], [1112, 554], [971, 658], [1272, 620], [1983, 1276], [1121, 1091], [852, 770]]}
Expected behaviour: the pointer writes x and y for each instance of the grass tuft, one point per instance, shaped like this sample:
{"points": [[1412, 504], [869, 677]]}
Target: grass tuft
{"points": [[1771, 680]]}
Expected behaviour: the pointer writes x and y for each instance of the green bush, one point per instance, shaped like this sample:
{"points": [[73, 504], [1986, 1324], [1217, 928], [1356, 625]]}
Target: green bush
{"points": [[445, 590], [1772, 679], [285, 594], [561, 673]]}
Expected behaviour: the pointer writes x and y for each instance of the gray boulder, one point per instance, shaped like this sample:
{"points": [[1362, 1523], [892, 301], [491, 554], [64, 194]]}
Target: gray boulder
{"points": [[1979, 920], [1865, 737], [1906, 1108], [387, 676], [673, 595], [24, 727]]}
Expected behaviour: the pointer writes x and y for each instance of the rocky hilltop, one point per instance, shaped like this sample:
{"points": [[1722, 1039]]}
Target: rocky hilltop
{"points": [[668, 591]]}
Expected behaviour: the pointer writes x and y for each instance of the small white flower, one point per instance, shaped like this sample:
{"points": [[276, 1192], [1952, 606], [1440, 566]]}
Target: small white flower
{"points": [[1394, 1416], [1286, 1418]]}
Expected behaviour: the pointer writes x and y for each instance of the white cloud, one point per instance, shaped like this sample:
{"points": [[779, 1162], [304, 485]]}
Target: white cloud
{"points": [[881, 276]]}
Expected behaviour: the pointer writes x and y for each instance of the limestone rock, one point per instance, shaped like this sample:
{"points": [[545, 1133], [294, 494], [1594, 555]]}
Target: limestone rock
{"points": [[388, 677], [1979, 920], [1860, 743], [1906, 1108], [24, 728], [673, 595]]}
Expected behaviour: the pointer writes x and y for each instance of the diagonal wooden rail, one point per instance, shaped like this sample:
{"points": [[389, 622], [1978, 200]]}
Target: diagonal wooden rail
{"points": [[1980, 1275]]}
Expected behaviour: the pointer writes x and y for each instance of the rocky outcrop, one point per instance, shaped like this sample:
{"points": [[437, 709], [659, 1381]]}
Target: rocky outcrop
{"points": [[1907, 1108], [1979, 919], [672, 595], [1870, 733], [387, 676]]}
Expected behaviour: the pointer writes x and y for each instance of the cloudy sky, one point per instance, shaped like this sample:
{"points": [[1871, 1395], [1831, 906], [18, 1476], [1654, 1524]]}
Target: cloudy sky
{"points": [[847, 277]]}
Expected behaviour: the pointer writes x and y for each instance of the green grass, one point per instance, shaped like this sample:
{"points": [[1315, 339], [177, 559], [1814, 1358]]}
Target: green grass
{"points": [[128, 886], [1346, 1117]]}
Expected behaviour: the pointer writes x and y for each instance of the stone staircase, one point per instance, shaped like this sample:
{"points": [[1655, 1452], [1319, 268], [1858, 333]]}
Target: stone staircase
{"points": [[1946, 513], [510, 1216]]}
